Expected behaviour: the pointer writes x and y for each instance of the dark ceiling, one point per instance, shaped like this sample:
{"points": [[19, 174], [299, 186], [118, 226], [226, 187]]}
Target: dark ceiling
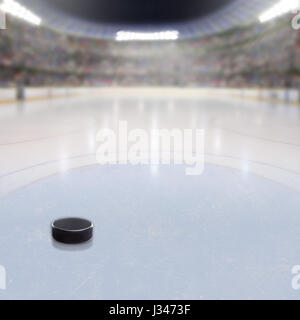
{"points": [[139, 11]]}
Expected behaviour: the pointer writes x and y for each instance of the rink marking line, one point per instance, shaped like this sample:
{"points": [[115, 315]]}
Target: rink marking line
{"points": [[92, 154], [167, 92], [39, 98], [219, 128], [262, 99], [40, 139], [228, 167], [8, 101], [255, 137], [45, 164]]}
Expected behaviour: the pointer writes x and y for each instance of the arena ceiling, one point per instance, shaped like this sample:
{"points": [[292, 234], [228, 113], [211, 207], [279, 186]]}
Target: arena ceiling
{"points": [[104, 18], [137, 11]]}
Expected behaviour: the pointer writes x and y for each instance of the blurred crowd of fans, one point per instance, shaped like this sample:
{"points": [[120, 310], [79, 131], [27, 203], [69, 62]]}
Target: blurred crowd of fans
{"points": [[254, 56]]}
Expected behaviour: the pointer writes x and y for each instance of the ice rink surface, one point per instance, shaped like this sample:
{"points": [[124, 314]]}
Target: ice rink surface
{"points": [[232, 232]]}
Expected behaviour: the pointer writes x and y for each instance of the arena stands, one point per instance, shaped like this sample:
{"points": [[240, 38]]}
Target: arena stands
{"points": [[260, 55]]}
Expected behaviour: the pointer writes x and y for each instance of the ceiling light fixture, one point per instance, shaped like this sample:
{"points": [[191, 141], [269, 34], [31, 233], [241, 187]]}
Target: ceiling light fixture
{"points": [[17, 10], [147, 36], [280, 8]]}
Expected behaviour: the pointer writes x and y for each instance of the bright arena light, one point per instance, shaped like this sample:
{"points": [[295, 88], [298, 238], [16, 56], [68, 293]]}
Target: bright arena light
{"points": [[280, 8], [146, 36], [17, 10]]}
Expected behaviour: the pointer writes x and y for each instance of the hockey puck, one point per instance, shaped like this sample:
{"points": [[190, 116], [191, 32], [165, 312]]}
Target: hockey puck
{"points": [[72, 230]]}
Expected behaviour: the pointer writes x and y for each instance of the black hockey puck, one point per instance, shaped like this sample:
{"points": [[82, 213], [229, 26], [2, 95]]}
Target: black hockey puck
{"points": [[72, 230]]}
